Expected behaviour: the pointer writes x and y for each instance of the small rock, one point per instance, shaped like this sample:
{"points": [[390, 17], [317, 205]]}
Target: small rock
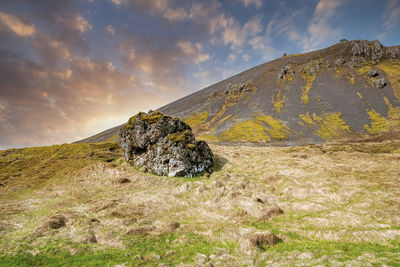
{"points": [[123, 181], [263, 238], [328, 64], [54, 222], [88, 238], [173, 226], [201, 258], [285, 70], [324, 258], [138, 257], [380, 83], [259, 210], [212, 257], [339, 62], [395, 53], [284, 55], [57, 221], [313, 71], [354, 65], [306, 256], [152, 257], [372, 72]]}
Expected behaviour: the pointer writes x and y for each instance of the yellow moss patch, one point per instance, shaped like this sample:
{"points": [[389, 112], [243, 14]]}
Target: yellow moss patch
{"points": [[309, 78], [150, 118], [260, 129], [306, 118], [364, 68], [350, 77], [379, 123], [178, 137], [331, 125], [278, 102], [392, 70], [196, 119]]}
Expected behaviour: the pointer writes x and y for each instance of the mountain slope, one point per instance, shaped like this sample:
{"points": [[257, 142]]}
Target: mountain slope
{"points": [[348, 90]]}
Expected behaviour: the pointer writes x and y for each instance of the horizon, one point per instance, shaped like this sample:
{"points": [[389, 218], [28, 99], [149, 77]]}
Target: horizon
{"points": [[73, 69]]}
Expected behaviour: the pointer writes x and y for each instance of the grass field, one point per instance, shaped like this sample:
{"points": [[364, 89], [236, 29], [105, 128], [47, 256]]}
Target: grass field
{"points": [[82, 205]]}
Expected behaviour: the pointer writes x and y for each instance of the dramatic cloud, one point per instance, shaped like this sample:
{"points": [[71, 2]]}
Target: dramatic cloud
{"points": [[319, 30], [58, 105], [16, 25], [223, 27], [391, 16]]}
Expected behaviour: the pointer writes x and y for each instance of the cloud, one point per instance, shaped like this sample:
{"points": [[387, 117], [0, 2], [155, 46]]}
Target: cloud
{"points": [[256, 3], [59, 105], [110, 30], [194, 51], [320, 30], [16, 25], [166, 8], [81, 24], [391, 16], [223, 27]]}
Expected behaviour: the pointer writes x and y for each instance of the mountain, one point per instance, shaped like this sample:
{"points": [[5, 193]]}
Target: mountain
{"points": [[349, 90]]}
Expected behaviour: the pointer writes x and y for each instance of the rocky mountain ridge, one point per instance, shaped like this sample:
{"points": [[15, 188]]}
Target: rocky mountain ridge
{"points": [[347, 91]]}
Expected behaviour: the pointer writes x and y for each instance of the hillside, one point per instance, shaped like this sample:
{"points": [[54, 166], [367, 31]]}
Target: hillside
{"points": [[350, 90], [83, 205]]}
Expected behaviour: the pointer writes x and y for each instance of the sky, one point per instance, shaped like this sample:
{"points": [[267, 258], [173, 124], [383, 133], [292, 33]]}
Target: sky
{"points": [[70, 69]]}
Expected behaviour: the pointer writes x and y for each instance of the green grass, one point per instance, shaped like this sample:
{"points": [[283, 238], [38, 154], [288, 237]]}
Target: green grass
{"points": [[29, 168], [342, 251], [140, 250]]}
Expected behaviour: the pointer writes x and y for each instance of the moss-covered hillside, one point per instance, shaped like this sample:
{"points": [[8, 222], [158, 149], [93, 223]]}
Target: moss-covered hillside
{"points": [[350, 90]]}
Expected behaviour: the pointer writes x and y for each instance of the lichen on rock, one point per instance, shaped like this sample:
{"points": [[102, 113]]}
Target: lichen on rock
{"points": [[164, 145]]}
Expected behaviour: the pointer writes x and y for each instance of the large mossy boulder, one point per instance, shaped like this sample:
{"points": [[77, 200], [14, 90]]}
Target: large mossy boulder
{"points": [[164, 146]]}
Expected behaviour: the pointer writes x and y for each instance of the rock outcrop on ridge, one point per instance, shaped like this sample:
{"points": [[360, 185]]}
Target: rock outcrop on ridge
{"points": [[164, 145]]}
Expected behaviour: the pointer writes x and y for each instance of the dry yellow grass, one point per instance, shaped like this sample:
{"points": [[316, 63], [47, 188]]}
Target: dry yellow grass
{"points": [[340, 205]]}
